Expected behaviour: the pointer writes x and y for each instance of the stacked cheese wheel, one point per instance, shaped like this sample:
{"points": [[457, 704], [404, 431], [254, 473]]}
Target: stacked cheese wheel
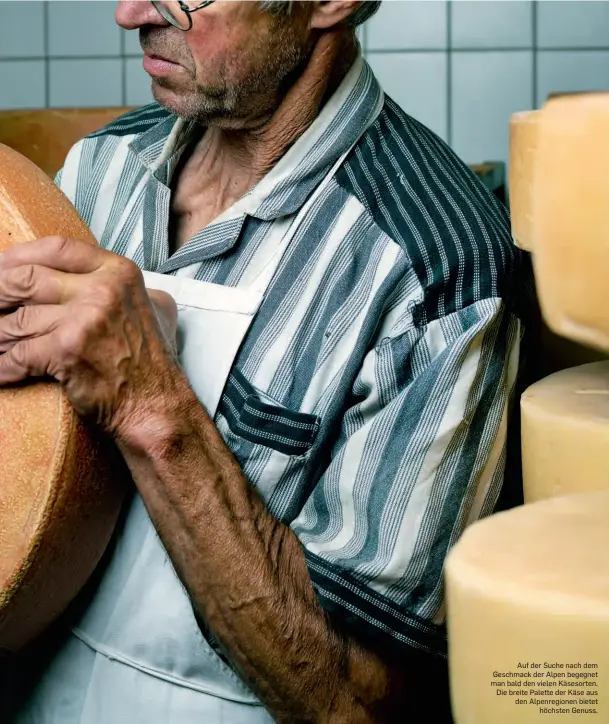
{"points": [[528, 590], [565, 433], [61, 484], [534, 146], [559, 201], [528, 614], [523, 144]]}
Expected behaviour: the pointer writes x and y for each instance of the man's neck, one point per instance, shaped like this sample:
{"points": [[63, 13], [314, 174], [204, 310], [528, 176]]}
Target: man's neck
{"points": [[258, 149], [225, 164]]}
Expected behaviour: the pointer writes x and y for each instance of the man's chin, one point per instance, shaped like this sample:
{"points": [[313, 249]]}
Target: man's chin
{"points": [[168, 97], [192, 108]]}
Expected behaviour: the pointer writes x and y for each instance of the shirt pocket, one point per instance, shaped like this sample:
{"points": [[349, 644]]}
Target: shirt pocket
{"points": [[252, 416]]}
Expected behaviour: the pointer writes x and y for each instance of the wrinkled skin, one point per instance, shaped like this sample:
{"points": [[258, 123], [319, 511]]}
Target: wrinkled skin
{"points": [[86, 320]]}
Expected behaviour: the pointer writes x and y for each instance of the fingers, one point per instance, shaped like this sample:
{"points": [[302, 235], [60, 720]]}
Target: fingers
{"points": [[54, 270], [28, 358], [56, 252], [167, 314], [165, 304], [34, 284], [29, 322]]}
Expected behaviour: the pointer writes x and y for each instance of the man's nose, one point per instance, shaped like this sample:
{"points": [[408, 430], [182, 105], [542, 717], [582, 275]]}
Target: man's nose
{"points": [[132, 14]]}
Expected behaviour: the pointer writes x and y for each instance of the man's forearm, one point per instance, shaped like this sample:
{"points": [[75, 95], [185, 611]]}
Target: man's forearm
{"points": [[247, 576]]}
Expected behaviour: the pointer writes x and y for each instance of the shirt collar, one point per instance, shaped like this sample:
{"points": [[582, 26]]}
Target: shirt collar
{"points": [[289, 183]]}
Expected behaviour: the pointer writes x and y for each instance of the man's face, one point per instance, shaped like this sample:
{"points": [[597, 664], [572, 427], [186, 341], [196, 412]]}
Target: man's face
{"points": [[230, 68]]}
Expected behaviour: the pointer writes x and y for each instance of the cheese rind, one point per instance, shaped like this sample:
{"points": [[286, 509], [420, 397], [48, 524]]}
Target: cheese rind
{"points": [[571, 217], [523, 144], [565, 433], [61, 482], [531, 586]]}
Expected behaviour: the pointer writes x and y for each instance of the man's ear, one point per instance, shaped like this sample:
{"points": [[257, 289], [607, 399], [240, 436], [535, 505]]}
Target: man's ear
{"points": [[328, 13]]}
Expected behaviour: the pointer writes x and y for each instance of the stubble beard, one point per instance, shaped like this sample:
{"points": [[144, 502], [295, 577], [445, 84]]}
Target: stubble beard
{"points": [[268, 69]]}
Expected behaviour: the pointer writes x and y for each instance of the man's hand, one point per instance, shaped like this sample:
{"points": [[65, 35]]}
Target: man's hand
{"points": [[167, 315], [83, 316]]}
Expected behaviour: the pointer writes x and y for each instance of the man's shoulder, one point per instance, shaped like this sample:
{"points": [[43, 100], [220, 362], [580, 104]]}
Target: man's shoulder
{"points": [[90, 159], [100, 168], [455, 233], [122, 131]]}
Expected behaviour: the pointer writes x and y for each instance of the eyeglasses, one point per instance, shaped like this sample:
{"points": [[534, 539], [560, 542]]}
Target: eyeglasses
{"points": [[178, 13]]}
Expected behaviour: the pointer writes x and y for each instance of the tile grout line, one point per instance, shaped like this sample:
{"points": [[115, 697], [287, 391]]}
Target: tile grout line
{"points": [[534, 22], [45, 47], [497, 49], [403, 51], [29, 58], [449, 74], [123, 68]]}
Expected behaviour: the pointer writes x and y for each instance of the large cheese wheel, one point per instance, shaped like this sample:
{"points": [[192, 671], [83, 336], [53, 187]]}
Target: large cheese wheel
{"points": [[523, 144], [527, 594], [61, 483], [571, 217], [565, 433]]}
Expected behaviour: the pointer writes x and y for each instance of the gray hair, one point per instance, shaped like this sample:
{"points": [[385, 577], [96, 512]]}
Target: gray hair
{"points": [[365, 10]]}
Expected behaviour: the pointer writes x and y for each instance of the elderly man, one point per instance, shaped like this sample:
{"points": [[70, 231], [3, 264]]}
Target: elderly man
{"points": [[349, 330]]}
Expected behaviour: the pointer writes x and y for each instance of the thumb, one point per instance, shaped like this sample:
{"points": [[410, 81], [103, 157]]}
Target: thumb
{"points": [[167, 314]]}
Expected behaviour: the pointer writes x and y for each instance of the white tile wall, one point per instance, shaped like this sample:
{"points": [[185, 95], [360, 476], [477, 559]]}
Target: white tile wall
{"points": [[500, 24], [84, 82], [416, 24], [82, 28], [132, 42], [417, 82], [137, 83], [22, 30], [460, 66], [22, 83], [486, 89], [575, 70], [573, 24]]}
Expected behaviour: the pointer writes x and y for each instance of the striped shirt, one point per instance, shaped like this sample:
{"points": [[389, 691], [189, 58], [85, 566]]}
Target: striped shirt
{"points": [[369, 402]]}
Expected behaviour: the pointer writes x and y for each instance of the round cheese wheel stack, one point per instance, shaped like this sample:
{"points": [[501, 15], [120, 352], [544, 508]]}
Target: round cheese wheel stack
{"points": [[565, 433], [571, 217], [558, 352], [523, 143], [531, 586], [61, 484]]}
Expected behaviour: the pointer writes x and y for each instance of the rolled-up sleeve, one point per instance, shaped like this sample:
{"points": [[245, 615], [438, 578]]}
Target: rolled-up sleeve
{"points": [[421, 454]]}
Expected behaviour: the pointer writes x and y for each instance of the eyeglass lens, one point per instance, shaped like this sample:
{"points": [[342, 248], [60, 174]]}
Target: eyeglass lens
{"points": [[173, 13]]}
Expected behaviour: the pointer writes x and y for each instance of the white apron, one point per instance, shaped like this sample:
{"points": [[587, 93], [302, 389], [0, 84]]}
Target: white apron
{"points": [[137, 655]]}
